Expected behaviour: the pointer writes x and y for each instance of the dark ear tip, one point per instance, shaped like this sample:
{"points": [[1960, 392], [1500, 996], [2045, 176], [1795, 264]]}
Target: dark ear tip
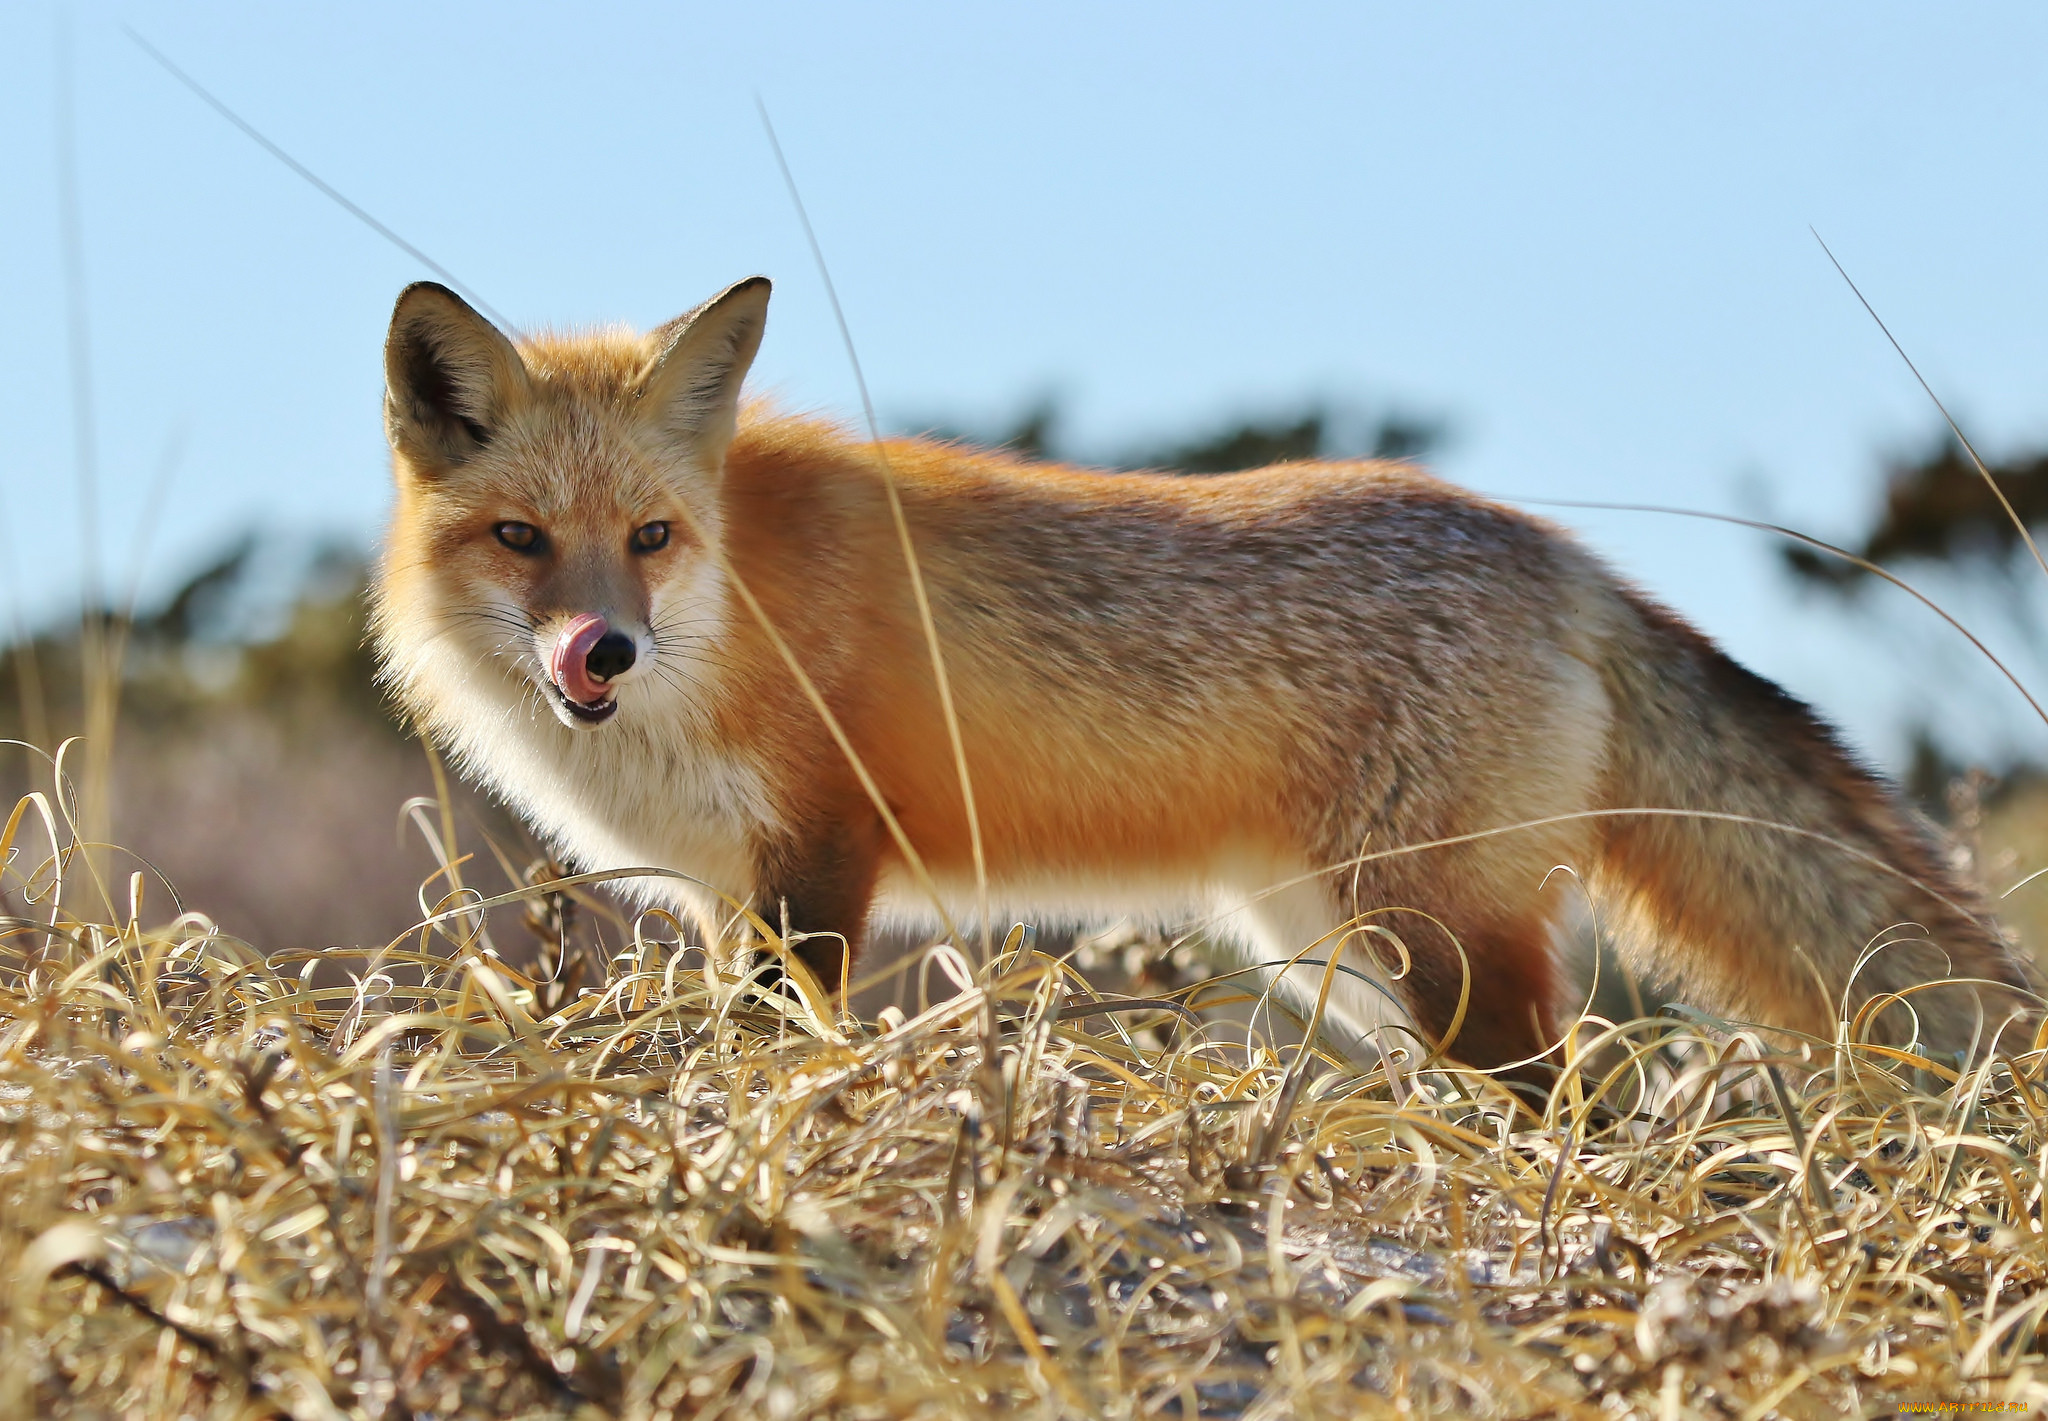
{"points": [[425, 290], [747, 287]]}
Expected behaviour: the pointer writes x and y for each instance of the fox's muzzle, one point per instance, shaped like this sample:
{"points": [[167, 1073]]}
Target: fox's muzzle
{"points": [[586, 658]]}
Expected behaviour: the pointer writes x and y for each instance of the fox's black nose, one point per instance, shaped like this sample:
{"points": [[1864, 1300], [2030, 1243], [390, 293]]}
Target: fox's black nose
{"points": [[612, 656]]}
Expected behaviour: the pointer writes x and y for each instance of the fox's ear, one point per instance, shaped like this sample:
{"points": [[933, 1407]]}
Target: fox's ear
{"points": [[692, 384], [450, 377]]}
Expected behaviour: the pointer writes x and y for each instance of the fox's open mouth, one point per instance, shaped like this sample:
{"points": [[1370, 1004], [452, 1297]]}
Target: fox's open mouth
{"points": [[591, 712]]}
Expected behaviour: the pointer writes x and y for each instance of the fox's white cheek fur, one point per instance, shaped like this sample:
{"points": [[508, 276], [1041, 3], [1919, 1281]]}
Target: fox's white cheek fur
{"points": [[687, 612], [497, 630]]}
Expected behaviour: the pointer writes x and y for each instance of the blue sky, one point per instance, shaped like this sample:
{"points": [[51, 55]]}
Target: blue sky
{"points": [[1582, 235]]}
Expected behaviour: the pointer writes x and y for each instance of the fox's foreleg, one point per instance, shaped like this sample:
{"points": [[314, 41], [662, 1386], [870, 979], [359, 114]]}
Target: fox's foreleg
{"points": [[820, 882]]}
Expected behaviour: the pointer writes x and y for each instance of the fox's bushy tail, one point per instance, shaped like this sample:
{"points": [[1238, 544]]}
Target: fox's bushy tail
{"points": [[1835, 897]]}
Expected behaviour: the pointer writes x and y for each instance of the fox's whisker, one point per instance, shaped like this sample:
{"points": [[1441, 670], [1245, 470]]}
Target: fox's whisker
{"points": [[701, 655]]}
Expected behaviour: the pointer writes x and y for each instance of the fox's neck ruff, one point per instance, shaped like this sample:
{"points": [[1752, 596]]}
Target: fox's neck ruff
{"points": [[653, 787]]}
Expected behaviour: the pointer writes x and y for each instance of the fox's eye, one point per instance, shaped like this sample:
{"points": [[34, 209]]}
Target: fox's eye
{"points": [[520, 537], [650, 537]]}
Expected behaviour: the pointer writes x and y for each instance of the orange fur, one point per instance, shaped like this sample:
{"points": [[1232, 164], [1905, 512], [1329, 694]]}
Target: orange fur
{"points": [[1175, 690]]}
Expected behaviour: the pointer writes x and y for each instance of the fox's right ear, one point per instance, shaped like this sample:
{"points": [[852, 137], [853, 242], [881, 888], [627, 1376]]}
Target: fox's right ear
{"points": [[450, 377]]}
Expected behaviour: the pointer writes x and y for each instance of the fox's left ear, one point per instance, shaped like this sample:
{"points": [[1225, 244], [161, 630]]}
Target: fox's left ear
{"points": [[692, 384]]}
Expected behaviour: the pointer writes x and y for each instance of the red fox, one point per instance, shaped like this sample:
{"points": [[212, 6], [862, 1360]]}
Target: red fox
{"points": [[1263, 699]]}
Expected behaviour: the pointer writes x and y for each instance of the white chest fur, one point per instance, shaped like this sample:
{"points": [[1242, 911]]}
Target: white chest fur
{"points": [[650, 788]]}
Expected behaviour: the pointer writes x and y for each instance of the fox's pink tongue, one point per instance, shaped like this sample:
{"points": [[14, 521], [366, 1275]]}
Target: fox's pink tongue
{"points": [[568, 664]]}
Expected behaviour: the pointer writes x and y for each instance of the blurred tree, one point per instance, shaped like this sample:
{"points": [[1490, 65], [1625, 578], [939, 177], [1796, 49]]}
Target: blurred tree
{"points": [[1032, 437], [1320, 431], [197, 610], [1938, 508], [1249, 445]]}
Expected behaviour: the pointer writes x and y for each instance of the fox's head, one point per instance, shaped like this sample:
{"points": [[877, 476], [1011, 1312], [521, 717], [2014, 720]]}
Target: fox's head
{"points": [[557, 499]]}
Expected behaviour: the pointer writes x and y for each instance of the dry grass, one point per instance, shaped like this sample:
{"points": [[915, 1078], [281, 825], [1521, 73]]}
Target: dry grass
{"points": [[376, 1185]]}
